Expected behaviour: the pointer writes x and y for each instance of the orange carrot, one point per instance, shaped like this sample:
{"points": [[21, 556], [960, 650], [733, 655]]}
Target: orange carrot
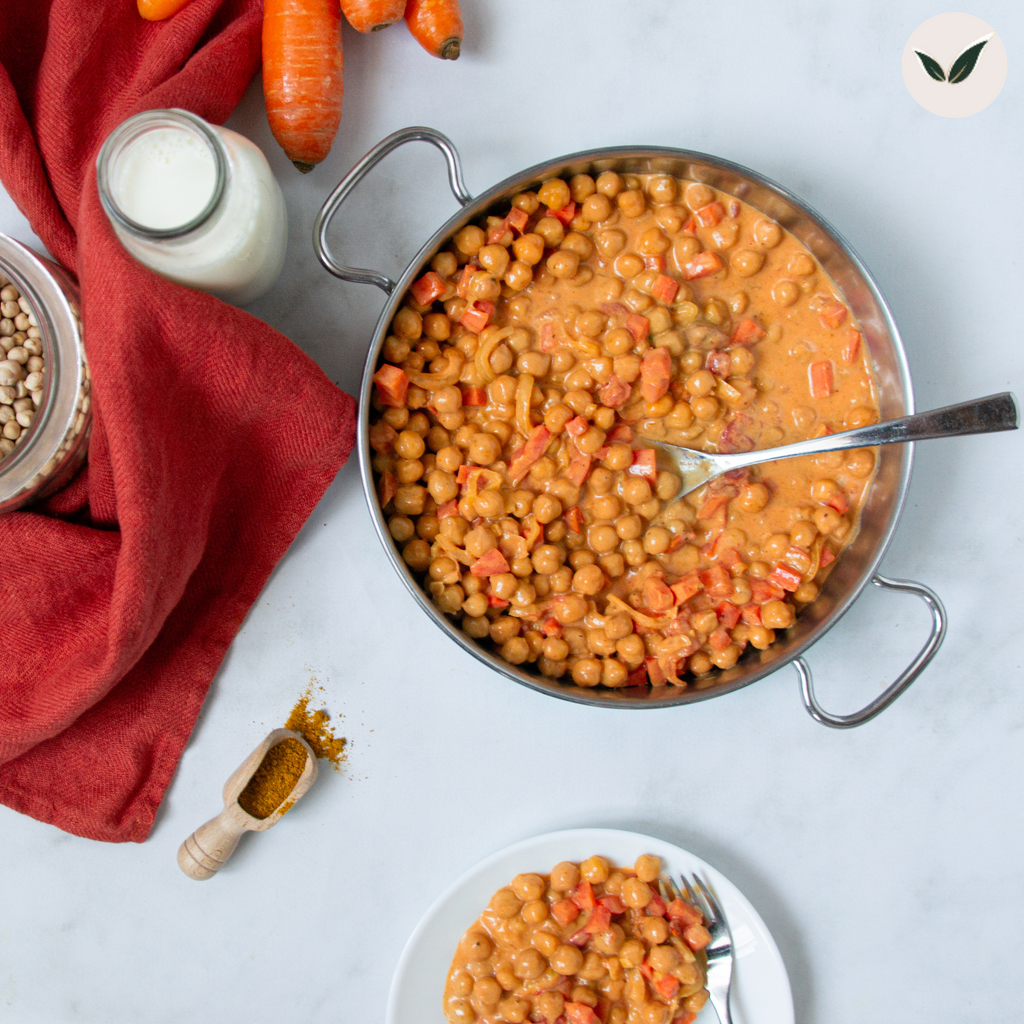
{"points": [[157, 10], [302, 84], [436, 25], [372, 15]]}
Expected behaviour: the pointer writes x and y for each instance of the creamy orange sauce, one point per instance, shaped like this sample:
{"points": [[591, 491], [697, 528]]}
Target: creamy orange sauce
{"points": [[521, 378]]}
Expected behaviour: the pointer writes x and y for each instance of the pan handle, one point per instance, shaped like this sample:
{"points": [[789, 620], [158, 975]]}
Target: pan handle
{"points": [[323, 219], [916, 667]]}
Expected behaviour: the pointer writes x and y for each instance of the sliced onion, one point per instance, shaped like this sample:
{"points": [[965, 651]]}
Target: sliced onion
{"points": [[435, 381], [490, 339], [524, 392]]}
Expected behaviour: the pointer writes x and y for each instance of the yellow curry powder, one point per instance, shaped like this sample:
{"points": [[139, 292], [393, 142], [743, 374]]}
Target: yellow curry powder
{"points": [[274, 780], [314, 727]]}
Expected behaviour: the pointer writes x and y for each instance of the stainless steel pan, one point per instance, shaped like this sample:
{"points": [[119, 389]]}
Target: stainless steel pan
{"points": [[859, 563]]}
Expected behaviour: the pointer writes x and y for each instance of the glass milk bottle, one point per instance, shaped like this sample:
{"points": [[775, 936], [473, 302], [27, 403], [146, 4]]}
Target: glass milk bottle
{"points": [[195, 202]]}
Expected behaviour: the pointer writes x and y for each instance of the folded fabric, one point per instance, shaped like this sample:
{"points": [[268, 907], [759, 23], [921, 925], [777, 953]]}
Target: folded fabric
{"points": [[214, 436]]}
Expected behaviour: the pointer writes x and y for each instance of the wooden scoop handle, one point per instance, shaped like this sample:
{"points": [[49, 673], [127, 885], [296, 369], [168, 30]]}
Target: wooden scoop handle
{"points": [[206, 851]]}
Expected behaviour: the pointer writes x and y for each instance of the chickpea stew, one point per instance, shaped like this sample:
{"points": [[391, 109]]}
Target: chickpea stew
{"points": [[588, 944], [523, 372]]}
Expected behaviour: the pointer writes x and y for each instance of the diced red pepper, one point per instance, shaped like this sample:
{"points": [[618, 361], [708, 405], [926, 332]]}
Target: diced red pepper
{"points": [[746, 332], [474, 396], [602, 453], [710, 215], [565, 214], [638, 677], [574, 517], [665, 289], [685, 913], [535, 446], [491, 564], [645, 464], [732, 560], [621, 433], [613, 903], [496, 235], [464, 472], [751, 615], [496, 602], [655, 673], [655, 373], [576, 426], [551, 627], [639, 326], [449, 508], [851, 347], [387, 487], [580, 1013], [383, 437], [600, 920], [690, 227], [392, 385], [656, 908], [657, 595], [711, 505], [579, 466], [462, 285], [517, 219], [429, 287], [764, 590], [667, 986], [647, 971], [654, 263], [785, 577], [839, 502], [615, 392], [719, 363], [728, 614], [720, 639], [832, 315], [548, 342], [583, 896], [686, 586], [565, 912], [827, 558], [477, 316], [581, 938], [820, 379], [717, 581], [703, 264], [696, 937]]}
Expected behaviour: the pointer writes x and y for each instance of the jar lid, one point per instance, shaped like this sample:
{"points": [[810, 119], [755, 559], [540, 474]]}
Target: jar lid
{"points": [[46, 287]]}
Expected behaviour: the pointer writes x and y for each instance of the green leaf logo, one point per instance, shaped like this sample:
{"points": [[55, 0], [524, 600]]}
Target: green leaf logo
{"points": [[932, 66], [960, 68], [964, 64]]}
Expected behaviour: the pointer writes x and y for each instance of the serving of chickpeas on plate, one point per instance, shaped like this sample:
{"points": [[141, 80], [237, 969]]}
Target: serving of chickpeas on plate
{"points": [[522, 373], [588, 944]]}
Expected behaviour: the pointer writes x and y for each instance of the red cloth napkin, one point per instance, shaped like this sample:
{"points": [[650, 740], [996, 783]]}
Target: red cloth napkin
{"points": [[213, 440]]}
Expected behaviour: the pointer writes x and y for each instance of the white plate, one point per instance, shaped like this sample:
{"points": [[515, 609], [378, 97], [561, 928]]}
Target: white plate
{"points": [[760, 986]]}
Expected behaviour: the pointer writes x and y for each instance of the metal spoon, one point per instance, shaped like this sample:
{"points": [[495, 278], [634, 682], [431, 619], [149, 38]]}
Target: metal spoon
{"points": [[982, 416]]}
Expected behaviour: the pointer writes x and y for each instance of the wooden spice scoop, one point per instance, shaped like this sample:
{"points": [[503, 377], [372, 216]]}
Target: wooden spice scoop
{"points": [[206, 851]]}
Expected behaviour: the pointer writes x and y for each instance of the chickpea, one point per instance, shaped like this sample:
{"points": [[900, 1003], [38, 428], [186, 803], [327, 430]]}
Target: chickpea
{"points": [[628, 265], [407, 325], [563, 264], [479, 541], [529, 248], [619, 457], [586, 672], [653, 242], [409, 445], [861, 462], [785, 293], [550, 1005], [445, 264], [554, 194], [777, 615], [546, 509], [590, 324], [602, 538], [700, 664], [741, 361], [470, 240], [680, 417], [437, 326], [514, 1009], [550, 230], [767, 234], [859, 417], [408, 471], [484, 448], [579, 244], [597, 208], [700, 383], [595, 870], [753, 497], [760, 637], [503, 629], [632, 952], [806, 592], [619, 342], [636, 490], [570, 608], [588, 580], [657, 540], [698, 195], [631, 202], [662, 189], [636, 893], [448, 399], [803, 534], [564, 876], [826, 519], [654, 929], [567, 960], [526, 201]]}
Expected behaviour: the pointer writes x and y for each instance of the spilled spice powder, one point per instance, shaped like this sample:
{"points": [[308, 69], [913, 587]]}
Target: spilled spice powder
{"points": [[314, 727], [274, 780]]}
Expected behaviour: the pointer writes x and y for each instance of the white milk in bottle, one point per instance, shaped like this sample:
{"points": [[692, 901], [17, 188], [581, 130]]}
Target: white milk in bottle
{"points": [[195, 202]]}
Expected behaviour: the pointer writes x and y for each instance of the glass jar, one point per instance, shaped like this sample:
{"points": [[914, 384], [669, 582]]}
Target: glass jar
{"points": [[195, 202], [45, 430]]}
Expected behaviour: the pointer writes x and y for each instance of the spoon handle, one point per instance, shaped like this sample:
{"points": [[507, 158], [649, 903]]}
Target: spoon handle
{"points": [[982, 416]]}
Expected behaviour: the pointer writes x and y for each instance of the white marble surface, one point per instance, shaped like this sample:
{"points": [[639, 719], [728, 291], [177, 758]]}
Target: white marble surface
{"points": [[886, 861]]}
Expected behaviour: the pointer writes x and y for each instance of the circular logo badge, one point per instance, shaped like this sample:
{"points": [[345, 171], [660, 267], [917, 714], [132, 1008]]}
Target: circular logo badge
{"points": [[954, 65]]}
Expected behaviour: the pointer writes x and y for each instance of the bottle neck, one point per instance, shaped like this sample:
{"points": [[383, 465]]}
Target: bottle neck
{"points": [[177, 158]]}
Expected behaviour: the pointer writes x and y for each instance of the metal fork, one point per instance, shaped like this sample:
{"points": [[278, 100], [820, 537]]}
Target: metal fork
{"points": [[719, 949]]}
